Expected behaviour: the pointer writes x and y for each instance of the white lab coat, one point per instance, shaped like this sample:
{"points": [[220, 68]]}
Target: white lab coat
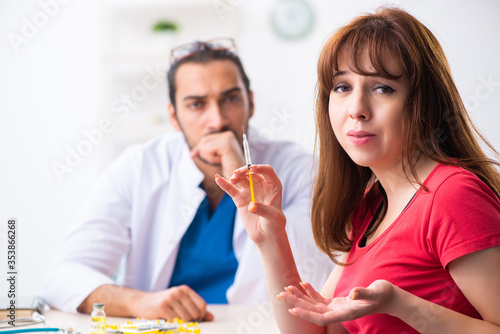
{"points": [[143, 205]]}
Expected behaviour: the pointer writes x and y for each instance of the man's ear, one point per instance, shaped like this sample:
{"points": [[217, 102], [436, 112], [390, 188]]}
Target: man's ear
{"points": [[250, 99], [172, 117]]}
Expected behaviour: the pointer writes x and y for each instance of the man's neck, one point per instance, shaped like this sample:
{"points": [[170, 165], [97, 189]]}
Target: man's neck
{"points": [[214, 192]]}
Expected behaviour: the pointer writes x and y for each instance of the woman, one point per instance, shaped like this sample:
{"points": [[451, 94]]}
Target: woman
{"points": [[405, 199]]}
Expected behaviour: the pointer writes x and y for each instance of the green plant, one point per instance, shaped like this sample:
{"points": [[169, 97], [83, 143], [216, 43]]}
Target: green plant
{"points": [[165, 26]]}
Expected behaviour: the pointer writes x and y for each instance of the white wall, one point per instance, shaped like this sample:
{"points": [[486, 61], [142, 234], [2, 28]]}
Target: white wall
{"points": [[49, 93]]}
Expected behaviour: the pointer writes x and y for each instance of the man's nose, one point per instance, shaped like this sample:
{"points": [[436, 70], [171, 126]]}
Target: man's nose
{"points": [[218, 119], [359, 106]]}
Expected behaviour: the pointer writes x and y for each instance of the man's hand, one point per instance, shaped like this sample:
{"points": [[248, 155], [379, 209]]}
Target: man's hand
{"points": [[180, 301], [220, 149], [176, 302]]}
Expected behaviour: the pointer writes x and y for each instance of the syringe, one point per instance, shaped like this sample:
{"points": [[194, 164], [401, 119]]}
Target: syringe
{"points": [[246, 150]]}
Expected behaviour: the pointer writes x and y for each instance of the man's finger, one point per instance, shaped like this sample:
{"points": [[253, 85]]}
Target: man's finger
{"points": [[197, 301], [195, 312], [208, 316], [207, 156], [194, 152], [180, 310], [168, 313]]}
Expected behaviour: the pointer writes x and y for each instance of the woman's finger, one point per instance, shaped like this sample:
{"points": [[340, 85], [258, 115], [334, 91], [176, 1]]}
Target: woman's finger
{"points": [[240, 181], [261, 172], [378, 290], [315, 295], [266, 171], [225, 185], [240, 172], [362, 294], [295, 291], [319, 319], [296, 301], [269, 213]]}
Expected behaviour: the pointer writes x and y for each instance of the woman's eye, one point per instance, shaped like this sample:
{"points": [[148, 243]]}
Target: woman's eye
{"points": [[384, 89], [341, 88]]}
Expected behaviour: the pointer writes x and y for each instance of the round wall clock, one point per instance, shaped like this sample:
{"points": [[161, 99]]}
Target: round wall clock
{"points": [[292, 19]]}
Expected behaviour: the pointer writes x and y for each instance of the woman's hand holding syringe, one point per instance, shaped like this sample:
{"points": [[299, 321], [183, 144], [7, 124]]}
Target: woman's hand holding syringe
{"points": [[263, 219]]}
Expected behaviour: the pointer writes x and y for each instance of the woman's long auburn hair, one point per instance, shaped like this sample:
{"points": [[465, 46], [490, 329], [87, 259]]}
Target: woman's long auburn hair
{"points": [[435, 122]]}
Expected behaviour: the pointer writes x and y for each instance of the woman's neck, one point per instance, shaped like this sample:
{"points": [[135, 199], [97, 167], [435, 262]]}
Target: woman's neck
{"points": [[400, 190], [396, 183]]}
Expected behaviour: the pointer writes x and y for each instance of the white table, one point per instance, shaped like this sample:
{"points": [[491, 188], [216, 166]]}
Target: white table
{"points": [[229, 319]]}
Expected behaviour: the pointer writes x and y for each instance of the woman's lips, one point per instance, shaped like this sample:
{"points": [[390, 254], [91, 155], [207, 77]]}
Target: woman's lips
{"points": [[360, 137]]}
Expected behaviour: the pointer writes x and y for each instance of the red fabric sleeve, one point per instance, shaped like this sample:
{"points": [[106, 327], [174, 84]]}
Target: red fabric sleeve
{"points": [[465, 218]]}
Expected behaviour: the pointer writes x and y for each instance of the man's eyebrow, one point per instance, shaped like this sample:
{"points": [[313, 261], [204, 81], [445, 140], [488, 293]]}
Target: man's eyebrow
{"points": [[201, 97], [231, 90], [194, 97]]}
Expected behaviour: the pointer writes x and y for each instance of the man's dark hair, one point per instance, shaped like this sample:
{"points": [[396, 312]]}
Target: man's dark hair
{"points": [[204, 56]]}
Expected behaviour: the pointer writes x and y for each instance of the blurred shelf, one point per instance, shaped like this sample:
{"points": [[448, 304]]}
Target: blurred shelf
{"points": [[134, 4]]}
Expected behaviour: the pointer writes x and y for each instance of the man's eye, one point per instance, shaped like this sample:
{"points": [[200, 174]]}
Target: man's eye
{"points": [[341, 88], [232, 98], [384, 89], [195, 105]]}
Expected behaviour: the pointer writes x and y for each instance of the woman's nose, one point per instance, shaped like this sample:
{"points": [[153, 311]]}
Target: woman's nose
{"points": [[359, 106]]}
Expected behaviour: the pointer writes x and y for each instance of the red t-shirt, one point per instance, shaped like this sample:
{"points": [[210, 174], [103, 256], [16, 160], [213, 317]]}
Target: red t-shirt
{"points": [[458, 215]]}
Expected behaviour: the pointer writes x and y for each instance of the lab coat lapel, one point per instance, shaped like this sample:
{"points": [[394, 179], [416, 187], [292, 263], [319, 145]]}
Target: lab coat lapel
{"points": [[181, 201], [239, 237]]}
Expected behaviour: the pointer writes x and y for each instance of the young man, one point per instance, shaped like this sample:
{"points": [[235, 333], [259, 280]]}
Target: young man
{"points": [[158, 205]]}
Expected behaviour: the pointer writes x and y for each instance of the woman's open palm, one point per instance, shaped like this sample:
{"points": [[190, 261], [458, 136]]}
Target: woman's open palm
{"points": [[323, 311]]}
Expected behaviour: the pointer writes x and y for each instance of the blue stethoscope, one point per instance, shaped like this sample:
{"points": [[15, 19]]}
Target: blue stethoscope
{"points": [[36, 318]]}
